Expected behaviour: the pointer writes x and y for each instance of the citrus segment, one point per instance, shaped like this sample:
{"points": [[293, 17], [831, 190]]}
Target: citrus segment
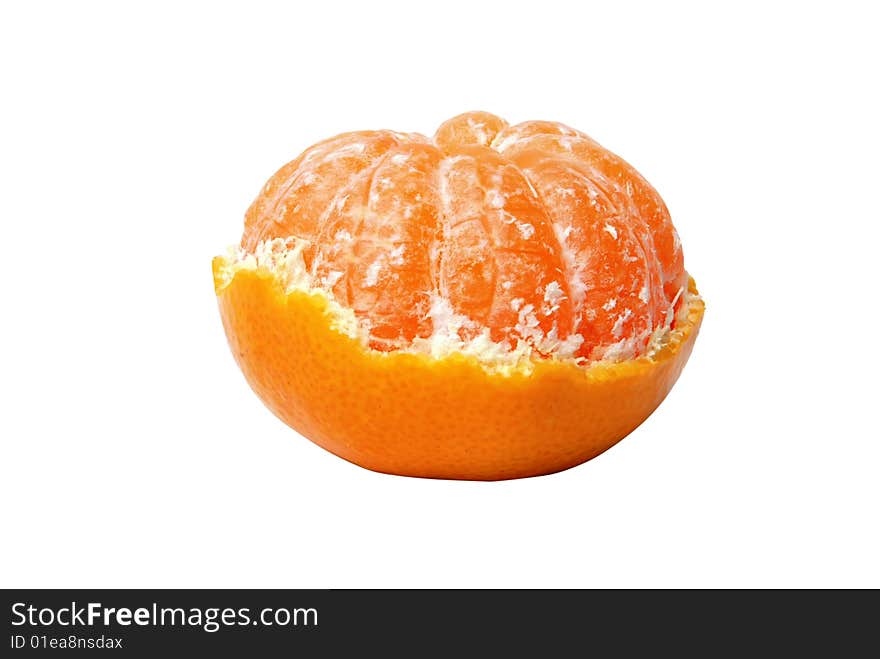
{"points": [[499, 263], [468, 129]]}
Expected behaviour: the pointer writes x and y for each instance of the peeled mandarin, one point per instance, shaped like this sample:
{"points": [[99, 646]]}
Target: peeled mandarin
{"points": [[491, 263]]}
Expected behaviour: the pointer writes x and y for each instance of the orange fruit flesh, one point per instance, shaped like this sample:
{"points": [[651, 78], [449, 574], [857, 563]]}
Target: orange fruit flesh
{"points": [[496, 302], [533, 232]]}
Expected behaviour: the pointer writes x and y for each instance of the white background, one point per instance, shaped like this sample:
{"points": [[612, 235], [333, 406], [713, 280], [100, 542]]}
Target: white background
{"points": [[133, 139]]}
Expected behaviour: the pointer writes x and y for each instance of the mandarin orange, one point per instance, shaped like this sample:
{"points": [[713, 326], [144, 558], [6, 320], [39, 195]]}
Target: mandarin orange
{"points": [[495, 302]]}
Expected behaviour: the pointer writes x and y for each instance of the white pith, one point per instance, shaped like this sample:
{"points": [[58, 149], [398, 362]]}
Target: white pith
{"points": [[283, 261]]}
